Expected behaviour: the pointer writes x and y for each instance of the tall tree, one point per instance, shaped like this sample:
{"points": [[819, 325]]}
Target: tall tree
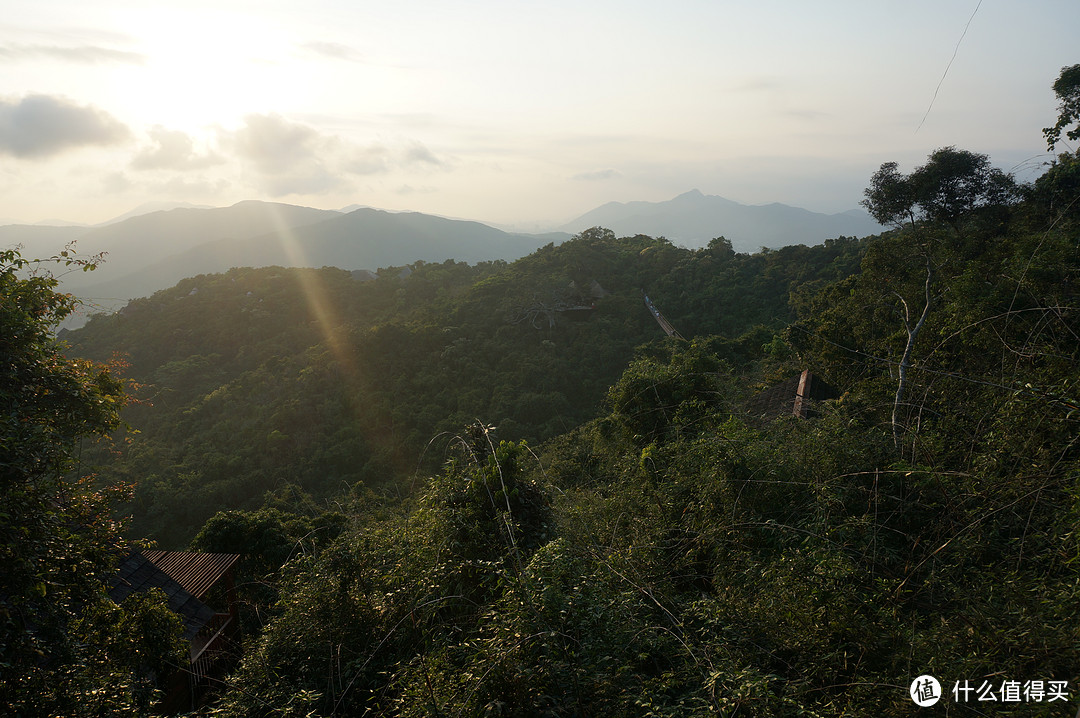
{"points": [[949, 188], [1067, 89]]}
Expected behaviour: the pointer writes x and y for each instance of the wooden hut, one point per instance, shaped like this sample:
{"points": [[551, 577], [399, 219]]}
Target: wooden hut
{"points": [[193, 583], [797, 397]]}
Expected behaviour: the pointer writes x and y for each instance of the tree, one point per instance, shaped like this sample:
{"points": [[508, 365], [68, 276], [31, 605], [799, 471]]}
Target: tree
{"points": [[890, 198], [909, 347], [950, 186], [266, 539], [1057, 191], [1067, 89], [954, 183], [58, 541], [658, 398]]}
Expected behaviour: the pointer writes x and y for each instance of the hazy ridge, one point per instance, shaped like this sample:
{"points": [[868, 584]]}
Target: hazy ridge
{"points": [[693, 218], [151, 251]]}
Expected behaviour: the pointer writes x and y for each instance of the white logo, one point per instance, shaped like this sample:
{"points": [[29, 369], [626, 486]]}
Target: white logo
{"points": [[925, 691]]}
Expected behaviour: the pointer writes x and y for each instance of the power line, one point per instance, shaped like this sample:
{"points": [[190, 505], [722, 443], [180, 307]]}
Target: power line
{"points": [[955, 50]]}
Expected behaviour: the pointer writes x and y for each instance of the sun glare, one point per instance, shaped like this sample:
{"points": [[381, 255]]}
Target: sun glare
{"points": [[209, 70]]}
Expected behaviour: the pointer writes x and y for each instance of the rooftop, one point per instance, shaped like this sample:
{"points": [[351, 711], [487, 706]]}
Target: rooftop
{"points": [[184, 577]]}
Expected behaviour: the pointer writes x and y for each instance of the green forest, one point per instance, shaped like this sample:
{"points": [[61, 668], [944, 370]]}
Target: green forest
{"points": [[500, 489]]}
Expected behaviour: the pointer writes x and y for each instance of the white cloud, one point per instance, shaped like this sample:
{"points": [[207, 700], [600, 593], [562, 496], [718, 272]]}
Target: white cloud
{"points": [[197, 187], [409, 189], [115, 183], [275, 145], [418, 154], [172, 149], [289, 157], [370, 160], [42, 125]]}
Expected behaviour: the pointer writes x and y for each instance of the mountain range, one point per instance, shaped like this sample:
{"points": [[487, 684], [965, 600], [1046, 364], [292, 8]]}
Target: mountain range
{"points": [[362, 239], [154, 250], [693, 218]]}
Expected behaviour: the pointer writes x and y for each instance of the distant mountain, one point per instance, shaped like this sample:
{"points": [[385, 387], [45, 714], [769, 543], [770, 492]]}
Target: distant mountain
{"points": [[354, 207], [133, 244], [692, 219], [371, 238], [148, 252], [150, 207], [363, 239]]}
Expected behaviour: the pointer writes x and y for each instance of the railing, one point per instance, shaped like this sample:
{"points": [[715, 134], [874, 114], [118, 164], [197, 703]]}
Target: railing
{"points": [[213, 643]]}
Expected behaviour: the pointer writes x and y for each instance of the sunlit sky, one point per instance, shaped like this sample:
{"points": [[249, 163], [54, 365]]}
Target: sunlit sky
{"points": [[509, 112]]}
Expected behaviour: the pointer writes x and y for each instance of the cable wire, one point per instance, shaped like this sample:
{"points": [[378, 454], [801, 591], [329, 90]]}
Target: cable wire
{"points": [[944, 74]]}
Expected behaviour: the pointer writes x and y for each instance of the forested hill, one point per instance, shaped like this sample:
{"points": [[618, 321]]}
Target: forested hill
{"points": [[500, 489], [676, 556], [260, 378], [497, 489]]}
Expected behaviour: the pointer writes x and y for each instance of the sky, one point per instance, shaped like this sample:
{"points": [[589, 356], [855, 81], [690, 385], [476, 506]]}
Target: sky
{"points": [[514, 113]]}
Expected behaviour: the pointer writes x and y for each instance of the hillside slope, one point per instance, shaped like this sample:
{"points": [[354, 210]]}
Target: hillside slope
{"points": [[260, 377]]}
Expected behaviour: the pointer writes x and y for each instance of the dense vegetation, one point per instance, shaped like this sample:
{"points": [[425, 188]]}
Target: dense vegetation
{"points": [[259, 379], [675, 557], [65, 647], [466, 490]]}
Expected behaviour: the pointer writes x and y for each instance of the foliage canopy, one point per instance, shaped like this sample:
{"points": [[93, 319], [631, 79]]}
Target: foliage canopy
{"points": [[1067, 89], [65, 648]]}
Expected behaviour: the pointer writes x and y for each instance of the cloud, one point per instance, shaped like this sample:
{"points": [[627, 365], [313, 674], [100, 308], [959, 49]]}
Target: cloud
{"points": [[332, 51], [274, 145], [41, 125], [370, 160], [417, 154], [598, 175], [289, 157], [84, 54], [172, 149], [806, 115], [198, 187], [409, 189]]}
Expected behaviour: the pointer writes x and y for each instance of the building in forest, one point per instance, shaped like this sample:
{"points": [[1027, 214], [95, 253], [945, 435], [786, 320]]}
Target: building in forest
{"points": [[197, 586], [798, 396]]}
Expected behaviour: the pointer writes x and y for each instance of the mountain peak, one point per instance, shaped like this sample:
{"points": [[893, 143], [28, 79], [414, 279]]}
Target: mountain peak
{"points": [[693, 194]]}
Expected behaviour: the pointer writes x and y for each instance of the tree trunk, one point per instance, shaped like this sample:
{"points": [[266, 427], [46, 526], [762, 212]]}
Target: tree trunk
{"points": [[905, 359]]}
